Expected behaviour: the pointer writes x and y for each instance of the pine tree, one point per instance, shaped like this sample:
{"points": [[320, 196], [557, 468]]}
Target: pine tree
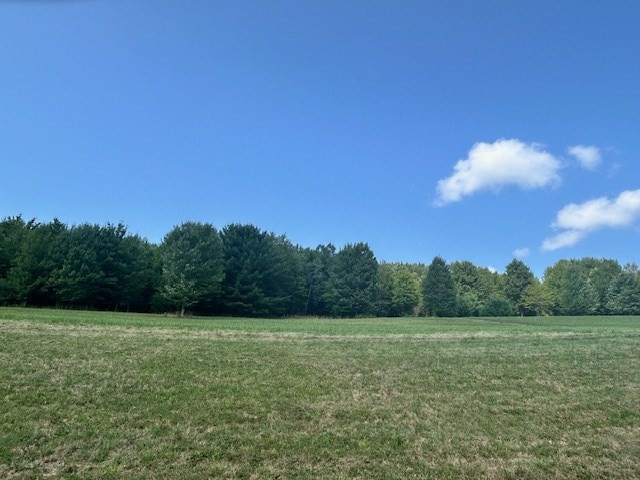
{"points": [[353, 283], [438, 290], [518, 277]]}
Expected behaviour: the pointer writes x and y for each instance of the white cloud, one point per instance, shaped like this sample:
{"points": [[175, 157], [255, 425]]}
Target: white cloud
{"points": [[521, 253], [564, 239], [578, 220], [490, 166], [588, 156]]}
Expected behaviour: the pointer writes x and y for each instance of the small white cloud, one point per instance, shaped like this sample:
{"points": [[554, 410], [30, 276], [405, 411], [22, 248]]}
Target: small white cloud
{"points": [[565, 239], [588, 156], [490, 166], [521, 252], [578, 220], [492, 269]]}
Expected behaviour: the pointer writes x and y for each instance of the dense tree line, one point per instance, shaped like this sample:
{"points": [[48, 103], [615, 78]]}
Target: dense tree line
{"points": [[244, 271]]}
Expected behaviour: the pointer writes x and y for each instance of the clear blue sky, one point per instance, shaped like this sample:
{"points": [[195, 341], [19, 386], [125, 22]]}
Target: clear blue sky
{"points": [[474, 130]]}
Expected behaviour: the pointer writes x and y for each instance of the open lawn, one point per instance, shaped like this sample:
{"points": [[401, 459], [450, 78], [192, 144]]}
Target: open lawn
{"points": [[103, 395]]}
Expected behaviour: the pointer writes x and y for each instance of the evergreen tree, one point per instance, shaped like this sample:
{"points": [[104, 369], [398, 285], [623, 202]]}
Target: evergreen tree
{"points": [[42, 253], [438, 290], [142, 276], [318, 264], [263, 273], [93, 268], [12, 233], [353, 284], [285, 286], [474, 286], [518, 277]]}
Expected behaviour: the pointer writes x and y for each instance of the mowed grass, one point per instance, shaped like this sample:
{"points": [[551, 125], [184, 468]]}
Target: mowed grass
{"points": [[104, 395]]}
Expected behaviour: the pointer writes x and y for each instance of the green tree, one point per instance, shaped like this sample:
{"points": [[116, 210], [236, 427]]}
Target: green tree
{"points": [[467, 283], [497, 306], [601, 274], [518, 277], [438, 290], [12, 233], [317, 266], [400, 289], [385, 282], [93, 268], [192, 265], [474, 286], [624, 292], [568, 280], [538, 300], [263, 273], [42, 253], [142, 276], [353, 283], [406, 291], [285, 286]]}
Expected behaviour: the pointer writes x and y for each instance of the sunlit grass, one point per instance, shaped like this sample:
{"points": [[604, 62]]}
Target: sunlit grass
{"points": [[99, 395], [332, 326]]}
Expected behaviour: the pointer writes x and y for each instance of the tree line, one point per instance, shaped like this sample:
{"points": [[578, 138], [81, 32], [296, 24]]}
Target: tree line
{"points": [[242, 270]]}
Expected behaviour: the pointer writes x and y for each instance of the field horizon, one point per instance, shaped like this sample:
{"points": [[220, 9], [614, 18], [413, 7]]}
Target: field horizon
{"points": [[113, 395]]}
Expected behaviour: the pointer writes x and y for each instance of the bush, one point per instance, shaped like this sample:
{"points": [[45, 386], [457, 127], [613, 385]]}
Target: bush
{"points": [[497, 307]]}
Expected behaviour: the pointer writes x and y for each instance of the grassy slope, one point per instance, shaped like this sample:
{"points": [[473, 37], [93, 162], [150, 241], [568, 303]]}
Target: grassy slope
{"points": [[98, 395]]}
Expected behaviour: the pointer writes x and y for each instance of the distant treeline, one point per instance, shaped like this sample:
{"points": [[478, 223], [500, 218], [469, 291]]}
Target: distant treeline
{"points": [[242, 270]]}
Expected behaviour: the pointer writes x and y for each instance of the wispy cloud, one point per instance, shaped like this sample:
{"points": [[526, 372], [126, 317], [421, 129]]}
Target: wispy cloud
{"points": [[521, 253], [491, 166], [564, 239], [578, 220], [588, 156]]}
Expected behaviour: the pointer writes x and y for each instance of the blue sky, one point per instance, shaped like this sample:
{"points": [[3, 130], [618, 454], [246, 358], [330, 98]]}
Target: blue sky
{"points": [[473, 130]]}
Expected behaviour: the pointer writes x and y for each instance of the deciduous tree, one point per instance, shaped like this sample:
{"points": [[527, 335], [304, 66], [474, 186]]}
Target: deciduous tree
{"points": [[624, 292], [400, 289], [600, 274], [537, 300], [192, 265], [568, 280]]}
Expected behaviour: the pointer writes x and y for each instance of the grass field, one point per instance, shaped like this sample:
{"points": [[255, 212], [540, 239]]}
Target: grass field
{"points": [[104, 395]]}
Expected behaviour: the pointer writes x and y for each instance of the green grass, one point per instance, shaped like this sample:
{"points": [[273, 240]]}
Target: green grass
{"points": [[105, 395]]}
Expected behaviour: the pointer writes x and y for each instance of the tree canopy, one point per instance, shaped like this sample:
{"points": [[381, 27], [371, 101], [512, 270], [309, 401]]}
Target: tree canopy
{"points": [[245, 271], [439, 290], [353, 282], [192, 265]]}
